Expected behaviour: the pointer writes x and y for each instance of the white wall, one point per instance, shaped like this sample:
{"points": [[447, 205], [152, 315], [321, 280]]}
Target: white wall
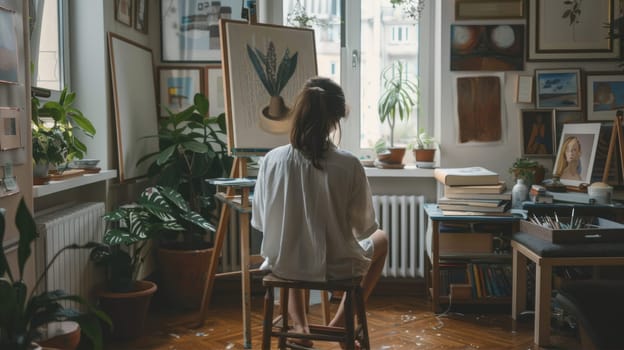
{"points": [[497, 157]]}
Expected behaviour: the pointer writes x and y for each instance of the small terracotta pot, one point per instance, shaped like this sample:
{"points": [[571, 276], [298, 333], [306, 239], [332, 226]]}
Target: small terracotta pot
{"points": [[424, 155], [395, 157]]}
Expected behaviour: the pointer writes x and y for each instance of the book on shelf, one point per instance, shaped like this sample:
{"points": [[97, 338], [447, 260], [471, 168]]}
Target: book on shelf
{"points": [[491, 203], [474, 213], [466, 176], [502, 196], [465, 207], [500, 187]]}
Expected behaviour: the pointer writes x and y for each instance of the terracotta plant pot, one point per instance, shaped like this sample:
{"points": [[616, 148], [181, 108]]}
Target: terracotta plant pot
{"points": [[393, 156], [61, 335], [128, 310], [424, 155], [184, 273]]}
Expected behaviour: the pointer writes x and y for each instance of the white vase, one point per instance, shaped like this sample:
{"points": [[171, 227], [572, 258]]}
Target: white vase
{"points": [[519, 194]]}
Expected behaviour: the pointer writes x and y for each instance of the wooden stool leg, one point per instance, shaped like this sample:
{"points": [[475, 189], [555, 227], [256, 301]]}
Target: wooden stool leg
{"points": [[284, 307], [325, 307], [348, 317], [267, 323], [361, 314]]}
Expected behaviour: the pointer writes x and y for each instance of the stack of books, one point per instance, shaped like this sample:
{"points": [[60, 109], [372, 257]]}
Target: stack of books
{"points": [[472, 191]]}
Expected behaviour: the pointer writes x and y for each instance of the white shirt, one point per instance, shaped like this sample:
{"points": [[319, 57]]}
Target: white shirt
{"points": [[312, 219]]}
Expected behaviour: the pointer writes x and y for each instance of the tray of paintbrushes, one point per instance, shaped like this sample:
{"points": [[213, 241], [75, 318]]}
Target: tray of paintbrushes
{"points": [[573, 229]]}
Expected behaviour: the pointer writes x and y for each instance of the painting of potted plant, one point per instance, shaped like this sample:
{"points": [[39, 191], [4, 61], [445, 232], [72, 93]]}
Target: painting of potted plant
{"points": [[274, 78]]}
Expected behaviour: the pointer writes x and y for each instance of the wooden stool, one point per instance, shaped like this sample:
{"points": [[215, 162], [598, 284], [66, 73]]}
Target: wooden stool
{"points": [[347, 334]]}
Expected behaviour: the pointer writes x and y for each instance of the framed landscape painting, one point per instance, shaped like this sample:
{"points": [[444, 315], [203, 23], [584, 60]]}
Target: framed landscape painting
{"points": [[605, 94], [558, 88]]}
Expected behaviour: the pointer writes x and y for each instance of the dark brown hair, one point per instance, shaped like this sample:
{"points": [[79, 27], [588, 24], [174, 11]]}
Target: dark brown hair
{"points": [[316, 113]]}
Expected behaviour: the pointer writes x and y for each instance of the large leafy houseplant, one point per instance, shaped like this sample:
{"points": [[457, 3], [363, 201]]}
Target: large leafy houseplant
{"points": [[191, 150], [22, 312], [54, 126], [399, 96], [158, 211]]}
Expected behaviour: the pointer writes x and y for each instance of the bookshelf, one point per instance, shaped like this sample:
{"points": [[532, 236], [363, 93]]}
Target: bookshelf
{"points": [[480, 277]]}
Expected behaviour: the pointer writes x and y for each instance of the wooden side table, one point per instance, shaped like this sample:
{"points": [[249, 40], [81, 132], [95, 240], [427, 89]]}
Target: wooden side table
{"points": [[547, 255]]}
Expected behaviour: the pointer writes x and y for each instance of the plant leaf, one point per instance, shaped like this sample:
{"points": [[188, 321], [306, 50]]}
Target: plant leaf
{"points": [[28, 233]]}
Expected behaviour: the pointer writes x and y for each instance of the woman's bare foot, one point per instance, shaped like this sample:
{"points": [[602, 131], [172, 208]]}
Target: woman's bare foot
{"points": [[302, 342]]}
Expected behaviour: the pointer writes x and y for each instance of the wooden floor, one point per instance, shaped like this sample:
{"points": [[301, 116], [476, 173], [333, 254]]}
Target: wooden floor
{"points": [[397, 320]]}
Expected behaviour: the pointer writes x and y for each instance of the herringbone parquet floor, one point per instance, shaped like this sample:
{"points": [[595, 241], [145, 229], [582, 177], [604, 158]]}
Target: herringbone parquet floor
{"points": [[396, 321]]}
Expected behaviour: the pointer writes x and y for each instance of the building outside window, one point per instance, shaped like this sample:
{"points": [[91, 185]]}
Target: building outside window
{"points": [[374, 35]]}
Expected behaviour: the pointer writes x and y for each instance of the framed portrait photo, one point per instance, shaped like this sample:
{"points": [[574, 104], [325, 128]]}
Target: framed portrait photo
{"points": [[538, 136], [190, 29], [140, 16], [576, 153], [178, 86], [571, 30], [123, 12], [558, 88], [605, 94]]}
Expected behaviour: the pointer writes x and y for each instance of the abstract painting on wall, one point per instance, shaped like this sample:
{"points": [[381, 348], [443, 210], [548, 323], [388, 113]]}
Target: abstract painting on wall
{"points": [[487, 47], [479, 109]]}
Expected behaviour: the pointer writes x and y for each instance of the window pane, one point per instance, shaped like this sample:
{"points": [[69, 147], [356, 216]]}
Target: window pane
{"points": [[389, 37], [324, 18], [49, 61]]}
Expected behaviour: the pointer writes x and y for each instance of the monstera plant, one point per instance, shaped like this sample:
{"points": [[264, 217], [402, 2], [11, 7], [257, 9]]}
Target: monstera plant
{"points": [[274, 78]]}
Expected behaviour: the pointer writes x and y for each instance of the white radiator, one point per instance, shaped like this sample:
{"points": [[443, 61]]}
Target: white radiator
{"points": [[72, 271], [403, 219]]}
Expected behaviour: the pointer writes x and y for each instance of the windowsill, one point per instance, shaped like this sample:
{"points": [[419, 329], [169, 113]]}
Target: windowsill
{"points": [[408, 171], [58, 186]]}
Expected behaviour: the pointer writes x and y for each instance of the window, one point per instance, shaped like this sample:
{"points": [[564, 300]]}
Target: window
{"points": [[48, 44], [375, 34]]}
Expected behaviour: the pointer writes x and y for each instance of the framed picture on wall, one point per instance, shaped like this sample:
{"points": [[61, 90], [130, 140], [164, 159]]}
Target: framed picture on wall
{"points": [[524, 92], [558, 88], [8, 44], [538, 136], [140, 16], [123, 11], [488, 9], [566, 117], [571, 30], [214, 89], [177, 87], [605, 94], [576, 153], [189, 29], [9, 128]]}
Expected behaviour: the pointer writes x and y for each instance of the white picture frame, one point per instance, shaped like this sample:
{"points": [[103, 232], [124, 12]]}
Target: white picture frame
{"points": [[585, 136]]}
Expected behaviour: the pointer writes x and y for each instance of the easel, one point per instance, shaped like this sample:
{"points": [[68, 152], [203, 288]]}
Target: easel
{"points": [[616, 134], [230, 200]]}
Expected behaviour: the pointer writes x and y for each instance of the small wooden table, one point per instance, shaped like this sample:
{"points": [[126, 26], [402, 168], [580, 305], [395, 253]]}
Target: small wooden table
{"points": [[547, 255]]}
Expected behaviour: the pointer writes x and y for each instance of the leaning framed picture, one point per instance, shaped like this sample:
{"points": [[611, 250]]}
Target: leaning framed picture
{"points": [[571, 30], [189, 29], [605, 94], [123, 11], [177, 88], [576, 153], [558, 88], [538, 136]]}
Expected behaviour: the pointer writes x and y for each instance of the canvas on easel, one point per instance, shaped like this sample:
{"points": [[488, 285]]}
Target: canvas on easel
{"points": [[265, 67]]}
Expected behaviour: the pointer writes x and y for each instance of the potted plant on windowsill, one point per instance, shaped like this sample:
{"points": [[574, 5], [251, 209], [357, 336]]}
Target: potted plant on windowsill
{"points": [[424, 151], [528, 170], [398, 99], [54, 127], [191, 150], [24, 312]]}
